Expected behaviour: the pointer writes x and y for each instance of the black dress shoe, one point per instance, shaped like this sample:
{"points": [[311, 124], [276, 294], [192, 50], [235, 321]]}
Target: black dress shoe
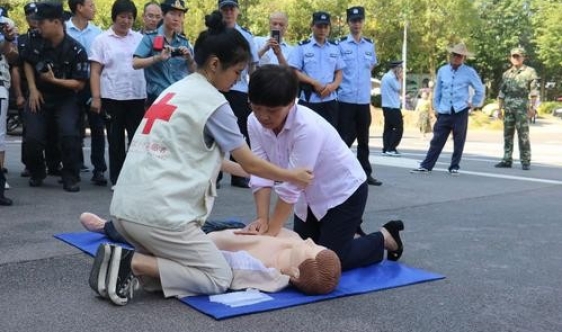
{"points": [[240, 182], [70, 186], [99, 179], [394, 227], [35, 182], [4, 201], [373, 182]]}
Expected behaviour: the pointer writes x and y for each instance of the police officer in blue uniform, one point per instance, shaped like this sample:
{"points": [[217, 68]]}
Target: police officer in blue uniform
{"points": [[238, 95], [60, 68], [165, 54], [354, 93], [319, 65]]}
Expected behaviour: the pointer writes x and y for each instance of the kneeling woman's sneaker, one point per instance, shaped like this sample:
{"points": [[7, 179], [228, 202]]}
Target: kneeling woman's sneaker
{"points": [[98, 274], [121, 283]]}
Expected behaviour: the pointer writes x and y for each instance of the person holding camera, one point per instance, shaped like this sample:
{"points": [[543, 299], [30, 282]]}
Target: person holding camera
{"points": [[165, 55], [118, 90], [273, 49], [56, 68]]}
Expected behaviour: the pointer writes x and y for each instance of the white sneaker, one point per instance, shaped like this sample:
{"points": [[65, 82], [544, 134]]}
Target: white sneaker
{"points": [[6, 185]]}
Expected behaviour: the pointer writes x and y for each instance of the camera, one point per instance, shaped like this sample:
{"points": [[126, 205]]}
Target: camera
{"points": [[175, 52], [43, 66]]}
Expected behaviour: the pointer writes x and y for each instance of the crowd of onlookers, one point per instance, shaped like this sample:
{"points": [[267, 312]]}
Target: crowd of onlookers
{"points": [[65, 70]]}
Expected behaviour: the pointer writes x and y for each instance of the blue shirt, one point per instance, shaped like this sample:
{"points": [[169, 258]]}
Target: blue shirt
{"points": [[84, 37], [242, 84], [359, 57], [390, 90], [161, 75], [452, 89], [319, 62]]}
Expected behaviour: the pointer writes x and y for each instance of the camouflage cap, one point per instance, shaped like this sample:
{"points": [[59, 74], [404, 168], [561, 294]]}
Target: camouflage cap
{"points": [[518, 50]]}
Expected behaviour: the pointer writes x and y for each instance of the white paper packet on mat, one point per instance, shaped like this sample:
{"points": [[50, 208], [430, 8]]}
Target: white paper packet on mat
{"points": [[241, 298]]}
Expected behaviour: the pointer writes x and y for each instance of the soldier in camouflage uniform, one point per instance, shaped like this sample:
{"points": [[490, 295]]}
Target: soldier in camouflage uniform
{"points": [[517, 83]]}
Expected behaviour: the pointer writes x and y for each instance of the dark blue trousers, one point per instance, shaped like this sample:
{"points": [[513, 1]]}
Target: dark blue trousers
{"points": [[336, 231], [354, 123], [457, 123]]}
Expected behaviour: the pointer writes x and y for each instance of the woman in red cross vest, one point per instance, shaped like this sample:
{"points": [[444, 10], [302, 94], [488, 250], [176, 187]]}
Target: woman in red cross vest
{"points": [[166, 187]]}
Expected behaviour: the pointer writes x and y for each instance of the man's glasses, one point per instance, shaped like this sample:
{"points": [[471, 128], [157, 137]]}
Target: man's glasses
{"points": [[456, 55], [515, 56]]}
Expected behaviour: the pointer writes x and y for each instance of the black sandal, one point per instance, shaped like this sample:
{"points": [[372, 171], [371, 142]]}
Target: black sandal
{"points": [[394, 227]]}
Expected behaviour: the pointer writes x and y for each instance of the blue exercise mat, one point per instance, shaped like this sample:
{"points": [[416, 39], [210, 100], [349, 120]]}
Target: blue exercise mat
{"points": [[384, 275]]}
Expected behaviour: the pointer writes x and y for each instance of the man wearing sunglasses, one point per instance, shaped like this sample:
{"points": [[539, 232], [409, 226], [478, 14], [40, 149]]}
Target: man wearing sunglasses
{"points": [[518, 82], [453, 99]]}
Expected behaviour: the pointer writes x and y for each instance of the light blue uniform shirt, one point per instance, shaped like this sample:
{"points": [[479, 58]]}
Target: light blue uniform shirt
{"points": [[269, 57], [84, 37], [162, 74], [390, 90], [452, 89], [359, 58], [242, 84], [320, 62]]}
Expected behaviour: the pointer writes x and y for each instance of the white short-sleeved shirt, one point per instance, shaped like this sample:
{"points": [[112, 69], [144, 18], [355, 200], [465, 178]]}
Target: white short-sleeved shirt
{"points": [[118, 79]]}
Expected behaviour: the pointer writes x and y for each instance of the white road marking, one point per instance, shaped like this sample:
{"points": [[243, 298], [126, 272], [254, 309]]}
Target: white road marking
{"points": [[402, 162]]}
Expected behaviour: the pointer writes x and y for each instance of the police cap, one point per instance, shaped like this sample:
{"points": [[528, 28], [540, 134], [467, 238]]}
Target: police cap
{"points": [[320, 18], [48, 11], [396, 63], [173, 4], [30, 8], [355, 13], [226, 3]]}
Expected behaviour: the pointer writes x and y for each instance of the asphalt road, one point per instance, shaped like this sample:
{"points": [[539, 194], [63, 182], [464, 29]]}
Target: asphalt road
{"points": [[496, 234]]}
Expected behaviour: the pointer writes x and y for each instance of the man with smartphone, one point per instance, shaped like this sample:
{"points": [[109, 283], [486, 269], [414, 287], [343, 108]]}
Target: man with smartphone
{"points": [[273, 49], [354, 93]]}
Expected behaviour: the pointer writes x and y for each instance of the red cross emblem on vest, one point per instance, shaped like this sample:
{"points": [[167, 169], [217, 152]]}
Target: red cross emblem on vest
{"points": [[159, 111]]}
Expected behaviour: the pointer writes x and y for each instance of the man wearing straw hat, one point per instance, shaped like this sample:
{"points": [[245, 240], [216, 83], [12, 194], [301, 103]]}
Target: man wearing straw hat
{"points": [[453, 100]]}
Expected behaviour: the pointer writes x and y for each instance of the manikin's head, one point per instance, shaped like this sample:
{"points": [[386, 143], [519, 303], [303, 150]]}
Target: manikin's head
{"points": [[319, 274]]}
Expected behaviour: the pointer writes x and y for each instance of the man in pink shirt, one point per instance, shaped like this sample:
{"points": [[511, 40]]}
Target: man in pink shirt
{"points": [[330, 209]]}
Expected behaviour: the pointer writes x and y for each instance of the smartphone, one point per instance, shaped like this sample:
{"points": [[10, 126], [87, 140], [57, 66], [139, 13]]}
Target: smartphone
{"points": [[277, 35], [158, 43]]}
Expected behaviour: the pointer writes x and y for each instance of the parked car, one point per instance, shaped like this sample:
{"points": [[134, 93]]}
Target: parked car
{"points": [[557, 112]]}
